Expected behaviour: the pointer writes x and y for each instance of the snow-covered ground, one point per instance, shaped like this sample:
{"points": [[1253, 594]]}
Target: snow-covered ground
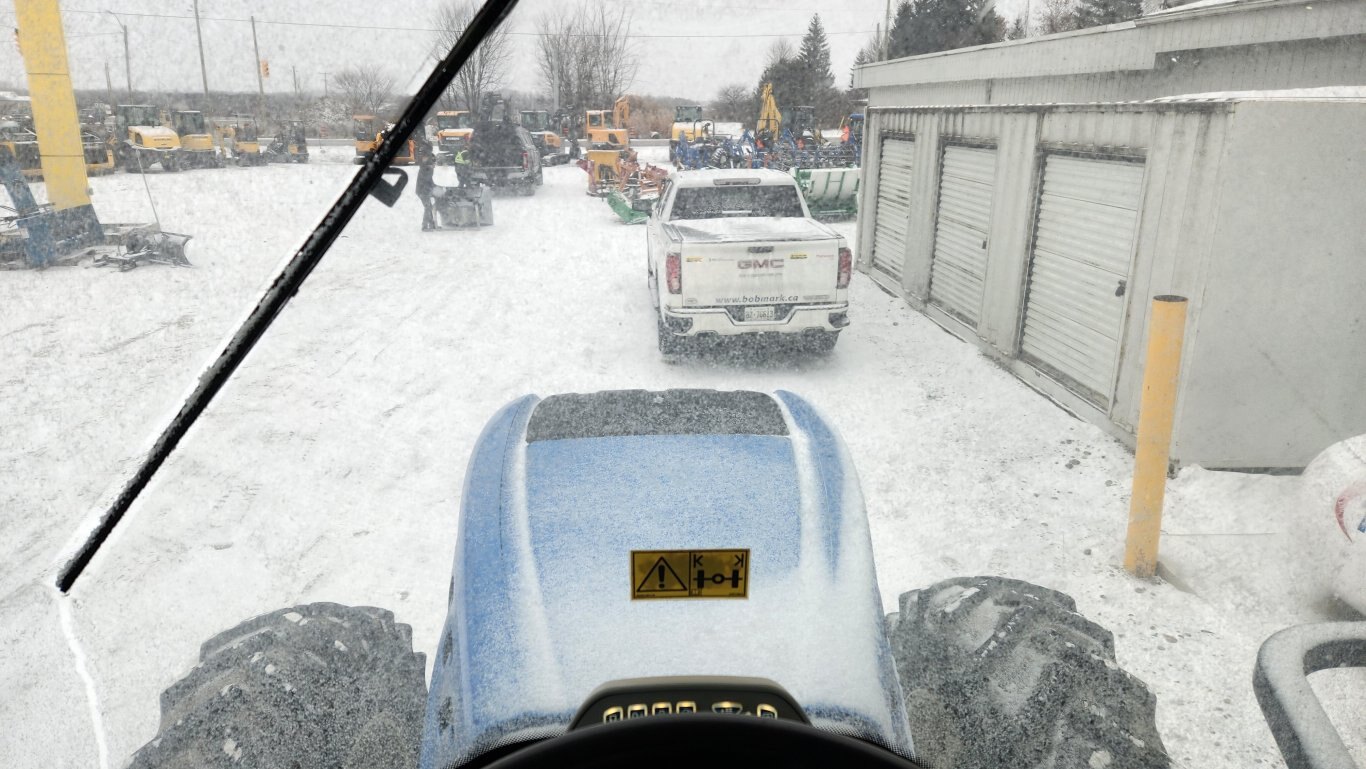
{"points": [[330, 468]]}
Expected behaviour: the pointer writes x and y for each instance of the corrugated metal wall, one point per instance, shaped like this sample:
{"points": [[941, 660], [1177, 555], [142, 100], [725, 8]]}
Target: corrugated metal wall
{"points": [[1295, 29], [1305, 64], [1179, 147]]}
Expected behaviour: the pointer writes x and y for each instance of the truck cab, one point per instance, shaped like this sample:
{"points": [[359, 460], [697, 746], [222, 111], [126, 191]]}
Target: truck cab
{"points": [[736, 252], [140, 138]]}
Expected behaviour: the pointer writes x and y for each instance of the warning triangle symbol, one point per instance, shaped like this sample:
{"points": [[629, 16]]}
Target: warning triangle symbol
{"points": [[661, 578]]}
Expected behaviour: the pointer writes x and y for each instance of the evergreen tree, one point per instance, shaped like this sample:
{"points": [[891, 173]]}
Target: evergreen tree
{"points": [[927, 26], [814, 60], [1095, 13]]}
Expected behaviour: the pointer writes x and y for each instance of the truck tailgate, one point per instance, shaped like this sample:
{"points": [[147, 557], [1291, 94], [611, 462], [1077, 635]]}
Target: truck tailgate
{"points": [[756, 261]]}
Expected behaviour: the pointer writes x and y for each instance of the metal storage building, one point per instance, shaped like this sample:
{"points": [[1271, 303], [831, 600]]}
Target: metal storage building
{"points": [[1041, 232]]}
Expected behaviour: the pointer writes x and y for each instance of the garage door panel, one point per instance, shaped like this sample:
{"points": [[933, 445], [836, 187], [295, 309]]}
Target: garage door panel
{"points": [[1082, 250], [1104, 182], [958, 270], [893, 206]]}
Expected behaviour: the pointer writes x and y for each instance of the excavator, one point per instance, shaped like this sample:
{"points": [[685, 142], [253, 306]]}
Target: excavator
{"points": [[140, 140], [197, 148], [290, 144]]}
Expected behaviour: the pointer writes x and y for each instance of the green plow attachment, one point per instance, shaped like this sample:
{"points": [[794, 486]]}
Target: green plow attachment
{"points": [[630, 211], [831, 193]]}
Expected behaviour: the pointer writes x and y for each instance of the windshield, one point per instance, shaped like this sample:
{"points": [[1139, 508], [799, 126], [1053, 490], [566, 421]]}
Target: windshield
{"points": [[189, 123], [448, 121], [754, 200], [918, 427], [140, 116]]}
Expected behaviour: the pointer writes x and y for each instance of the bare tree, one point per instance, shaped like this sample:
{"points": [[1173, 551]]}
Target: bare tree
{"points": [[585, 55], [364, 89], [779, 52], [485, 70], [1056, 16], [734, 103]]}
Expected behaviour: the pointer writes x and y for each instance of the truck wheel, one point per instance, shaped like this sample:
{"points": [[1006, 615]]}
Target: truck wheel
{"points": [[315, 686], [822, 343], [998, 672], [669, 345]]}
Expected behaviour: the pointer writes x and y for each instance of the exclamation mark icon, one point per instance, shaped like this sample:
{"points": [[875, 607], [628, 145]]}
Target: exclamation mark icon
{"points": [[661, 576]]}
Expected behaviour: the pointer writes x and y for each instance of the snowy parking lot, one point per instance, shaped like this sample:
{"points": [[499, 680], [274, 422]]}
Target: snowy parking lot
{"points": [[330, 468]]}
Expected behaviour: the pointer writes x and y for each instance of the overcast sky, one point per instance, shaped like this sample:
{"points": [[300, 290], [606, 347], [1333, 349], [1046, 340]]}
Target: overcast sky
{"points": [[687, 47]]}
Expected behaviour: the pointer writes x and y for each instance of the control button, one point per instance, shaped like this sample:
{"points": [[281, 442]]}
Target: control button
{"points": [[611, 714], [733, 708], [661, 708], [766, 711], [686, 706], [637, 711]]}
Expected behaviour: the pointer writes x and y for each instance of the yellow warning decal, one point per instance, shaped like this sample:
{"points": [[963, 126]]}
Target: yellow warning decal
{"points": [[689, 574]]}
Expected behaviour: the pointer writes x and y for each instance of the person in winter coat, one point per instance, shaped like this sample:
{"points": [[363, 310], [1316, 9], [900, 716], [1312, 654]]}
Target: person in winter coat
{"points": [[426, 163]]}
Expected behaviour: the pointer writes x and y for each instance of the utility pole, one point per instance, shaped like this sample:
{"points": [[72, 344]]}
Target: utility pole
{"points": [[108, 84], [260, 84], [294, 71], [887, 31], [203, 71], [325, 74], [127, 68]]}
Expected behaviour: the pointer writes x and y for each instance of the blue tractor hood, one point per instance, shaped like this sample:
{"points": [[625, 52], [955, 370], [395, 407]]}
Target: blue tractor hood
{"points": [[558, 494]]}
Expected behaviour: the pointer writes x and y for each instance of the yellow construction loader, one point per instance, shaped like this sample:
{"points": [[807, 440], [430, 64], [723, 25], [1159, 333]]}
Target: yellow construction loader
{"points": [[453, 130], [241, 140], [197, 148], [140, 140], [608, 130]]}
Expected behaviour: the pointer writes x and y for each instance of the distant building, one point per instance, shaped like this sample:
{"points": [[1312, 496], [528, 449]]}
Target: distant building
{"points": [[1033, 196]]}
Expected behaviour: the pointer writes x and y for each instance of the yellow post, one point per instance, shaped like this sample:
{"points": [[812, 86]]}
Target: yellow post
{"points": [[1156, 412], [54, 104]]}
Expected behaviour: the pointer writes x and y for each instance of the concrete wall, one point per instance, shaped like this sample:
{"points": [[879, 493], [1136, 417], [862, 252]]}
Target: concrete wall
{"points": [[1278, 354]]}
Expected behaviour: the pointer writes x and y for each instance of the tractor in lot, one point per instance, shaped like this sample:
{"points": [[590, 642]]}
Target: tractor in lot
{"points": [[240, 139], [659, 577], [140, 140], [197, 147], [549, 143], [290, 144]]}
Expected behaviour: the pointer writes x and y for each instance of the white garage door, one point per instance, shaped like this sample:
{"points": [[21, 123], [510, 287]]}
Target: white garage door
{"points": [[960, 234], [893, 206], [1083, 246]]}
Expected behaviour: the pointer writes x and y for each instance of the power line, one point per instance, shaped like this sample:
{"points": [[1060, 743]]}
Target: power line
{"points": [[370, 28]]}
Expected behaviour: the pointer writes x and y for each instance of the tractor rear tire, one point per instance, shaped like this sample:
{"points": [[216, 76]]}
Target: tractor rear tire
{"points": [[315, 686], [998, 672]]}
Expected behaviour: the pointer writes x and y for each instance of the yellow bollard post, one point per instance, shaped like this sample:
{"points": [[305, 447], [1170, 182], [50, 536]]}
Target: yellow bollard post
{"points": [[1156, 412]]}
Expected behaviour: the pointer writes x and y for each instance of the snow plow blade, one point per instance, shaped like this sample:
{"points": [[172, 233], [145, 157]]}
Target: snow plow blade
{"points": [[831, 193], [628, 210]]}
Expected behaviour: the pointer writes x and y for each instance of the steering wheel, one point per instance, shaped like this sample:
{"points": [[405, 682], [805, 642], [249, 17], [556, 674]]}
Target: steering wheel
{"points": [[701, 740]]}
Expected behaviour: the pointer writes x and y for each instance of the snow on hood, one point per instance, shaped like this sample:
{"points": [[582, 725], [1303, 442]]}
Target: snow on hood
{"points": [[739, 228], [156, 132], [541, 612]]}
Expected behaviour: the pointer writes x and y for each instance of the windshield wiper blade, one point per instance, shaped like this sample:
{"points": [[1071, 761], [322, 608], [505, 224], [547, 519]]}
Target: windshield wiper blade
{"points": [[287, 282]]}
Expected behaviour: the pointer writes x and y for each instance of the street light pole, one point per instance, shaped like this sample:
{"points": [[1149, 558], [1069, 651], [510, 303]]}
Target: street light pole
{"points": [[127, 67], [203, 71], [260, 84]]}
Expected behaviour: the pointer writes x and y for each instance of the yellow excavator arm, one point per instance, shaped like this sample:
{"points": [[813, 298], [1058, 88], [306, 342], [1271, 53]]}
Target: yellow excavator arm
{"points": [[621, 112], [770, 119]]}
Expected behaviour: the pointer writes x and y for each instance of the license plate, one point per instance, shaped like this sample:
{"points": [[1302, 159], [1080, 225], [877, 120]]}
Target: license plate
{"points": [[758, 313]]}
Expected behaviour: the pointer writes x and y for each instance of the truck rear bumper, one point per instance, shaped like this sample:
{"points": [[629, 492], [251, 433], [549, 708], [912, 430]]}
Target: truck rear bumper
{"points": [[728, 321]]}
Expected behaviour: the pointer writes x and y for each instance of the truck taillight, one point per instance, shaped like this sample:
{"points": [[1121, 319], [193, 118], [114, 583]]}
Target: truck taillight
{"points": [[673, 272], [846, 268], [526, 162]]}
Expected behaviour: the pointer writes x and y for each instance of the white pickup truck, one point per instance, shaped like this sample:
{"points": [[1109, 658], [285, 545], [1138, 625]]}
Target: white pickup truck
{"points": [[735, 251]]}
